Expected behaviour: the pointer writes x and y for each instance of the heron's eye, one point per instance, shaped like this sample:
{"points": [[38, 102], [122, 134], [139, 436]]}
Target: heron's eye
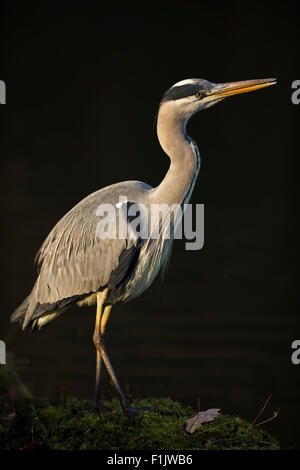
{"points": [[198, 94]]}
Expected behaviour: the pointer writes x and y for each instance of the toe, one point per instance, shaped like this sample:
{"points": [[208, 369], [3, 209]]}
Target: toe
{"points": [[100, 408]]}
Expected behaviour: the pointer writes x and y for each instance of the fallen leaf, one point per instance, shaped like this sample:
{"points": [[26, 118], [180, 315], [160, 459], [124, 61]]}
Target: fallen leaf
{"points": [[202, 417]]}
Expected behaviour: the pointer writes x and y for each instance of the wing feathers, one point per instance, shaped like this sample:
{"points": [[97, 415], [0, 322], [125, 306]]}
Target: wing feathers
{"points": [[74, 262]]}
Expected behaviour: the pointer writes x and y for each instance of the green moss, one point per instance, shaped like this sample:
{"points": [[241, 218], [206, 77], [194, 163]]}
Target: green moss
{"points": [[70, 425]]}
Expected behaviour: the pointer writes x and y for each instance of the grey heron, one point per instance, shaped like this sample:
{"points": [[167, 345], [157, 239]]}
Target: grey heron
{"points": [[75, 266]]}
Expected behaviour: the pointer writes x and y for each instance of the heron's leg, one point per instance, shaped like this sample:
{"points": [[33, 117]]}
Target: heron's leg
{"points": [[99, 406], [103, 313], [100, 346]]}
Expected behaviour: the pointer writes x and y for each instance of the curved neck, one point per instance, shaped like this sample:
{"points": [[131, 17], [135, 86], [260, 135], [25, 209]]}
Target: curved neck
{"points": [[178, 183]]}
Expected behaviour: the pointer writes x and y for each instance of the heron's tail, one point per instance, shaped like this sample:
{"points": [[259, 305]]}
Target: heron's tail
{"points": [[20, 312], [32, 313]]}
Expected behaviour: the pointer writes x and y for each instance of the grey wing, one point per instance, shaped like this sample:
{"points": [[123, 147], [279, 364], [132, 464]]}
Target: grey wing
{"points": [[75, 262]]}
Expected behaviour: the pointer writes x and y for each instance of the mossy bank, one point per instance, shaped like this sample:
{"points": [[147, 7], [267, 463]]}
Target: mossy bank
{"points": [[70, 425]]}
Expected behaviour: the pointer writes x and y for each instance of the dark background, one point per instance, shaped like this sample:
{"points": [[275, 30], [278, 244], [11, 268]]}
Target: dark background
{"points": [[83, 85]]}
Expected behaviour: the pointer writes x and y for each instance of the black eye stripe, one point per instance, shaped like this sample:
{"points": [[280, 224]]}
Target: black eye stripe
{"points": [[188, 90], [178, 92]]}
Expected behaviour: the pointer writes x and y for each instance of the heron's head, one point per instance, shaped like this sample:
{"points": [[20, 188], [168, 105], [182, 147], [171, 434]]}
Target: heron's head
{"points": [[187, 97]]}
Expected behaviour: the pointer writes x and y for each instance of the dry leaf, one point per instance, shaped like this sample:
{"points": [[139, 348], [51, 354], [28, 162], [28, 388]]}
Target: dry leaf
{"points": [[202, 417]]}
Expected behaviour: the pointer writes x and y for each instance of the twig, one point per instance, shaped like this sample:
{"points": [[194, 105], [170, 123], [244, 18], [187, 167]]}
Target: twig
{"points": [[261, 411], [275, 414]]}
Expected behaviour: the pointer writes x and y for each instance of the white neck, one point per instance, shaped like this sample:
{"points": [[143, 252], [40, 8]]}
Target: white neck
{"points": [[178, 183]]}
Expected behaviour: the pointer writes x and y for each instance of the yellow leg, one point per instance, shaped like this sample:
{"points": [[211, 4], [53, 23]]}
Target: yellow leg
{"points": [[101, 321], [103, 314]]}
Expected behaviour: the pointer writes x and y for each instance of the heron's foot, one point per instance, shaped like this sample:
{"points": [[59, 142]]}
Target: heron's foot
{"points": [[99, 408], [132, 412]]}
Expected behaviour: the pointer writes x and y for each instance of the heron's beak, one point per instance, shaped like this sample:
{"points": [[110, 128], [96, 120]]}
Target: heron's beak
{"points": [[233, 88]]}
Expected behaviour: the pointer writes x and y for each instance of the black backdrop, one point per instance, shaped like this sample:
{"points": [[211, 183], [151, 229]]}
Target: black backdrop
{"points": [[83, 84]]}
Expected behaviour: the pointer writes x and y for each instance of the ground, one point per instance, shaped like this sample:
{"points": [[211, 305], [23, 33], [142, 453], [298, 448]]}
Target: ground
{"points": [[67, 423]]}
